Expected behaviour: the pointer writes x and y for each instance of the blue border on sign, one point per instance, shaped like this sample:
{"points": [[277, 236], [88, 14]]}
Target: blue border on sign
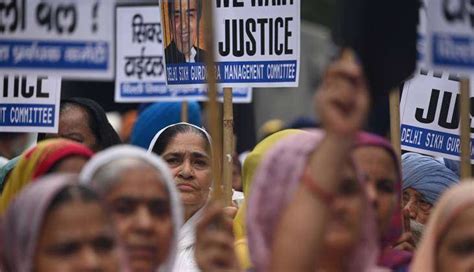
{"points": [[33, 54], [453, 50], [5, 116], [234, 72], [432, 140]]}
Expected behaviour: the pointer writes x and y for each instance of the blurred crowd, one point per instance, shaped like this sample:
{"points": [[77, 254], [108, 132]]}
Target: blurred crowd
{"points": [[308, 197]]}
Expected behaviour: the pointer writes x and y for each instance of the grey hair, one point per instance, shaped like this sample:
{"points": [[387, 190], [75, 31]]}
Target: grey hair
{"points": [[110, 173]]}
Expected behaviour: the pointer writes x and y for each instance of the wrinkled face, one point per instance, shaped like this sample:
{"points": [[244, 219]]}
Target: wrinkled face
{"points": [[456, 249], [141, 210], [343, 229], [380, 174], [185, 22], [414, 205], [77, 236], [190, 164], [74, 125], [71, 164]]}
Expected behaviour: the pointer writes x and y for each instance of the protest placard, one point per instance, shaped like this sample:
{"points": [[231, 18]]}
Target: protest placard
{"points": [[70, 38], [450, 35], [140, 72], [257, 43], [430, 117], [29, 103]]}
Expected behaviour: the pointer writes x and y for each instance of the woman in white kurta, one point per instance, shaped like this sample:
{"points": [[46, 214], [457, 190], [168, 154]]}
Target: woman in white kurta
{"points": [[187, 150]]}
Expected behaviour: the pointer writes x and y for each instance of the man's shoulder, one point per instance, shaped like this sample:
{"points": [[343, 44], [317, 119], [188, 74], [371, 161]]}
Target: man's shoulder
{"points": [[172, 53], [200, 55]]}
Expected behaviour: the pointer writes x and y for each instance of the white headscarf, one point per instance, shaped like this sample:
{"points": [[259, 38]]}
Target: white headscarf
{"points": [[187, 234], [153, 142], [128, 151]]}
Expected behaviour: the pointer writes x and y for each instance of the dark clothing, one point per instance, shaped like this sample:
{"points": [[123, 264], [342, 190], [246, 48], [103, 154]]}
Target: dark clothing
{"points": [[173, 55]]}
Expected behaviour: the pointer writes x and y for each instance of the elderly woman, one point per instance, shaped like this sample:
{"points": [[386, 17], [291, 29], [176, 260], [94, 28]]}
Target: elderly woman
{"points": [[51, 156], [84, 121], [424, 181], [448, 242], [186, 149], [57, 225], [379, 166], [145, 206]]}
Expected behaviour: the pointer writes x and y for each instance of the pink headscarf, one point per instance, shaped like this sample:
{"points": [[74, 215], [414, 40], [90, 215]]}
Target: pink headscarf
{"points": [[24, 218], [273, 188], [389, 257], [365, 139], [456, 200]]}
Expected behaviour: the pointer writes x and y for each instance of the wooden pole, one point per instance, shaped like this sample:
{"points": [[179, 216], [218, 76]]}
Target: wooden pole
{"points": [[465, 127], [184, 111], [394, 100], [395, 120], [228, 147], [213, 112]]}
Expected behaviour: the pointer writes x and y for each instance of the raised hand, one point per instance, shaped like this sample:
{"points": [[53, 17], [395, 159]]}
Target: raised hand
{"points": [[215, 241], [342, 101]]}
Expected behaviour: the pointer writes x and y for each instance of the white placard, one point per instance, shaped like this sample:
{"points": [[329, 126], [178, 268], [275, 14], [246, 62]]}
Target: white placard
{"points": [[29, 103], [421, 39], [140, 70], [140, 74], [70, 38], [450, 35], [257, 43], [429, 115]]}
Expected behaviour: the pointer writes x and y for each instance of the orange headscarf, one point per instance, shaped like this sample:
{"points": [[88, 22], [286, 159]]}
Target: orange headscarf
{"points": [[36, 162]]}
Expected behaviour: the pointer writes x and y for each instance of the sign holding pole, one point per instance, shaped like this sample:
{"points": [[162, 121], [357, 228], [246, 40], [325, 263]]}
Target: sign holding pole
{"points": [[228, 147], [184, 111], [465, 130], [394, 99], [214, 116]]}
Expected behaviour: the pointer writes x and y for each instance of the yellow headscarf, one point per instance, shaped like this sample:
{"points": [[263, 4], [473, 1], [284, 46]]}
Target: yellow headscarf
{"points": [[36, 162], [251, 164]]}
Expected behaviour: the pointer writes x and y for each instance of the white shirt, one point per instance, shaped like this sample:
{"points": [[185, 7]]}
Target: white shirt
{"points": [[185, 261], [192, 56]]}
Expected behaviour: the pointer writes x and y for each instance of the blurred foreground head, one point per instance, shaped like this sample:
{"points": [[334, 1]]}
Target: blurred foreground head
{"points": [[144, 203], [57, 225]]}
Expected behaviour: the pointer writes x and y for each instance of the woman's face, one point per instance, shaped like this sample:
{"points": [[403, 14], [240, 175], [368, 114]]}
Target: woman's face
{"points": [[456, 248], [343, 229], [74, 125], [141, 210], [380, 174], [190, 164], [77, 236]]}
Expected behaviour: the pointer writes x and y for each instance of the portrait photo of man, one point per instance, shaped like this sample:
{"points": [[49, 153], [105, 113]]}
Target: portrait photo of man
{"points": [[184, 18]]}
